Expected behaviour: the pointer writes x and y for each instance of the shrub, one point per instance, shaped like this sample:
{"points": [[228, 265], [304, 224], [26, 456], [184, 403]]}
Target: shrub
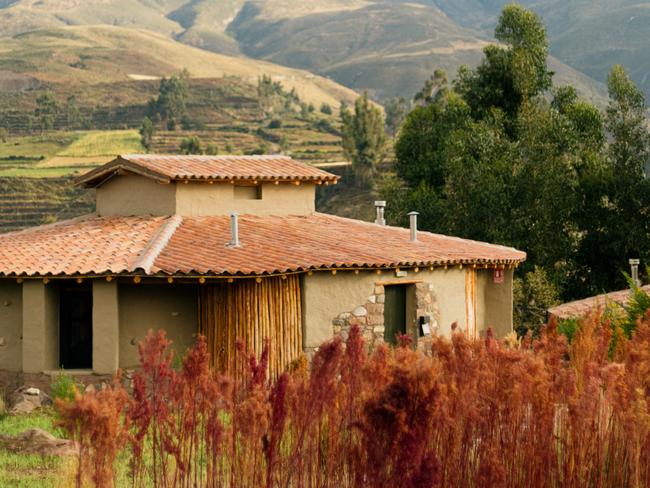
{"points": [[63, 387], [190, 145], [275, 124], [470, 413], [326, 108]]}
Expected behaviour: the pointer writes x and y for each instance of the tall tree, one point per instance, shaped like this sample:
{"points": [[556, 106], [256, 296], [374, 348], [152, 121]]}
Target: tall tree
{"points": [[172, 98], [627, 122], [147, 131], [363, 138], [512, 73], [47, 108], [396, 110], [495, 159]]}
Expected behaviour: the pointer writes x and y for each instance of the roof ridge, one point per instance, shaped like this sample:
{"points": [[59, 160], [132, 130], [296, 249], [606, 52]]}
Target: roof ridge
{"points": [[157, 244], [444, 236], [207, 156]]}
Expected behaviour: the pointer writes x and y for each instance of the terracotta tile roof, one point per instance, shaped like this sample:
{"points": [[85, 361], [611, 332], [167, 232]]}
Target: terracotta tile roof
{"points": [[580, 308], [198, 245], [219, 168], [81, 246]]}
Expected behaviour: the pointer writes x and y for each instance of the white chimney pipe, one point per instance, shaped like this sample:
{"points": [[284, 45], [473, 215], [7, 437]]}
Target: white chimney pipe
{"points": [[234, 230], [380, 205], [413, 219], [634, 266]]}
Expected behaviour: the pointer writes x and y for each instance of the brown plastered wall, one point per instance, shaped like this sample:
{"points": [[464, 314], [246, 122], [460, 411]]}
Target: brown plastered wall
{"points": [[172, 307], [326, 296], [129, 195], [203, 199], [11, 325], [106, 326], [40, 327], [494, 303], [330, 301]]}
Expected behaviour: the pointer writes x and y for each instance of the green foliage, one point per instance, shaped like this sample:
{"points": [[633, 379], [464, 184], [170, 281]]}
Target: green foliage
{"points": [[636, 308], [422, 142], [275, 124], [73, 116], [212, 149], [568, 327], [190, 145], [494, 159], [47, 108], [63, 387], [273, 97], [533, 295], [396, 110], [363, 138], [326, 108], [512, 74], [434, 90], [170, 105], [627, 123], [147, 131]]}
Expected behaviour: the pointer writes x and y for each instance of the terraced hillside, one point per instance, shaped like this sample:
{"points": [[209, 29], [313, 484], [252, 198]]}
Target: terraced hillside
{"points": [[35, 168], [25, 202]]}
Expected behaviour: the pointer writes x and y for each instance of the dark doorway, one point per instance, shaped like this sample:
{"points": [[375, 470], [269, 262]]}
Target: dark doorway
{"points": [[76, 326], [394, 313]]}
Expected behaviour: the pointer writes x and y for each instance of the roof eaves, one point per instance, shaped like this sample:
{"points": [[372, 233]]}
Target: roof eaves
{"points": [[99, 176]]}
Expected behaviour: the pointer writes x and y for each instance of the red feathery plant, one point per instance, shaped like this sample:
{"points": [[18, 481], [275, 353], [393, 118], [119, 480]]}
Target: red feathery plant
{"points": [[467, 414]]}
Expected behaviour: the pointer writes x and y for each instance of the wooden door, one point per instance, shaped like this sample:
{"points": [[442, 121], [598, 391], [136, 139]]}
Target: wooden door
{"points": [[252, 312], [394, 313]]}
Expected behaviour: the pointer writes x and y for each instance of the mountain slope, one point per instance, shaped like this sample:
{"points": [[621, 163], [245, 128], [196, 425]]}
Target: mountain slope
{"points": [[387, 46], [103, 54]]}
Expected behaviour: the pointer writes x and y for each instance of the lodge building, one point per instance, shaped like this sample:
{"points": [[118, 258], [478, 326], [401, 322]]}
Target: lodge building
{"points": [[231, 247]]}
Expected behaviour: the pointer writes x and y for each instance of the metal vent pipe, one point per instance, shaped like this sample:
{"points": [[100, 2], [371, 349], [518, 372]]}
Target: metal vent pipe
{"points": [[413, 219], [234, 230], [380, 205], [634, 267]]}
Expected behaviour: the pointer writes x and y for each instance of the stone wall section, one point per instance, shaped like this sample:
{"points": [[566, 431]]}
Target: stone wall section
{"points": [[370, 317]]}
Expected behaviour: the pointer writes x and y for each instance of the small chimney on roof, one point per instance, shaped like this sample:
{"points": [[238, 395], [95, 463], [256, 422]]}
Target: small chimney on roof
{"points": [[234, 230], [634, 267], [413, 219], [380, 205]]}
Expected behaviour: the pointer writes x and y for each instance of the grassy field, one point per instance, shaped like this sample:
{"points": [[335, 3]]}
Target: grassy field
{"points": [[33, 471], [107, 143], [58, 154]]}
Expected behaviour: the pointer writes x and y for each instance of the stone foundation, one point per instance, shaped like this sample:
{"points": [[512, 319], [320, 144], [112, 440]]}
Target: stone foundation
{"points": [[11, 380]]}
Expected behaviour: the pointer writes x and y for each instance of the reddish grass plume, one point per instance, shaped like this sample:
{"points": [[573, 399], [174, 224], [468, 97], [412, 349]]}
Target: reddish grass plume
{"points": [[468, 413]]}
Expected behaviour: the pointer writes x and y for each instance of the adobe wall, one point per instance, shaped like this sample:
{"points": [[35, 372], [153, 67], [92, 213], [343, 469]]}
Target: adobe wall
{"points": [[11, 325], [203, 199], [495, 302], [146, 306], [333, 303], [129, 195]]}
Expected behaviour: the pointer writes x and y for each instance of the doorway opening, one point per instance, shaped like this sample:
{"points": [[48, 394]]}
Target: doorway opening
{"points": [[399, 312], [76, 326]]}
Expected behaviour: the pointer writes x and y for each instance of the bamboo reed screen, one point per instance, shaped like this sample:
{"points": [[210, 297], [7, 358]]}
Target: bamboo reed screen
{"points": [[252, 312]]}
